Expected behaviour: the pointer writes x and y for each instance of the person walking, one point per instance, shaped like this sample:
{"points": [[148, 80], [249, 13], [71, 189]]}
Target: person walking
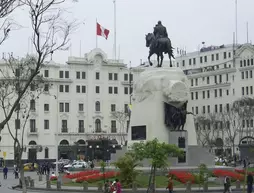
{"points": [[170, 185], [5, 171], [227, 185], [249, 183]]}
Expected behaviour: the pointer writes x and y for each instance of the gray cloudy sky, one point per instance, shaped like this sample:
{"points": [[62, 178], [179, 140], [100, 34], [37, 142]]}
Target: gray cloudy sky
{"points": [[189, 22]]}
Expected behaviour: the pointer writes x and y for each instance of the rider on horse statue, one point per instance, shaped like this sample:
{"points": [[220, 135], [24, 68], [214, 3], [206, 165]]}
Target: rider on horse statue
{"points": [[160, 32]]}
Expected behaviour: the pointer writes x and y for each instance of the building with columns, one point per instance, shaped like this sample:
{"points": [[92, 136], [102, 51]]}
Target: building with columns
{"points": [[77, 108]]}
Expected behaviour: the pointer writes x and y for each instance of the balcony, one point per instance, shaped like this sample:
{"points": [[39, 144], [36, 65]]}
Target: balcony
{"points": [[32, 132], [64, 130]]}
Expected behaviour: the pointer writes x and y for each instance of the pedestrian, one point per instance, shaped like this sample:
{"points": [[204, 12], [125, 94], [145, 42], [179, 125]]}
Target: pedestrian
{"points": [[227, 185], [16, 172], [118, 186], [5, 171], [170, 185], [107, 187], [249, 183]]}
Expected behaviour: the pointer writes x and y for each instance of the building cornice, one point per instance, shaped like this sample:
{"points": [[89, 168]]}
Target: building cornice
{"points": [[214, 86]]}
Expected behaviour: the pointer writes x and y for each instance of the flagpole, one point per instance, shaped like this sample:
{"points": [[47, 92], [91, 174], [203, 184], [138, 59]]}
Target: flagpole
{"points": [[96, 36], [114, 1], [236, 22]]}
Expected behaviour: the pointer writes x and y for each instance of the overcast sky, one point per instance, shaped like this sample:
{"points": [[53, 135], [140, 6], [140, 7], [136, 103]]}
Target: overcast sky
{"points": [[189, 22]]}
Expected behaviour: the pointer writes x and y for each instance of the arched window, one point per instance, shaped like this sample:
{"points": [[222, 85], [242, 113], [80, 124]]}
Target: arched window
{"points": [[81, 142], [248, 62], [97, 106], [46, 153], [244, 63], [97, 126], [64, 142], [181, 142], [32, 143]]}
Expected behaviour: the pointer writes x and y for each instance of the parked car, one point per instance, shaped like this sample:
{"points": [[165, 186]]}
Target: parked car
{"points": [[77, 164], [28, 167]]}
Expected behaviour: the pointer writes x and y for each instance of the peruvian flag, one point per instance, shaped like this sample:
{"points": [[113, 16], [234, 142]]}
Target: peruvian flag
{"points": [[101, 31]]}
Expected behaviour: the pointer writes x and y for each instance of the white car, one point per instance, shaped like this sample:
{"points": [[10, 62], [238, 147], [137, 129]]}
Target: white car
{"points": [[77, 164]]}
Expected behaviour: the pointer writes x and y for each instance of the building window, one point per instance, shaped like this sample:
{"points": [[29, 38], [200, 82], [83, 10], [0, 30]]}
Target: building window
{"points": [[97, 89], [251, 89], [46, 87], [46, 107], [220, 78], [203, 94], [46, 153], [46, 124], [248, 62], [216, 108], [131, 77], [201, 59], [32, 125], [246, 74], [115, 76], [208, 94], [196, 82], [64, 126], [208, 108], [190, 61], [61, 74], [227, 107], [81, 107], [229, 54], [61, 88], [226, 77], [110, 76], [217, 56], [97, 126], [126, 77], [203, 109], [250, 73], [67, 74], [97, 76], [220, 108], [220, 91], [215, 79], [192, 96], [192, 82], [196, 95], [242, 90], [67, 88], [46, 73], [81, 127], [83, 89], [205, 58], [194, 61], [97, 106], [212, 58], [64, 107], [251, 61], [113, 107], [196, 110], [77, 89], [17, 123], [32, 105], [207, 80], [110, 90], [83, 75], [247, 90], [115, 90], [126, 90], [113, 126], [77, 75], [215, 93], [227, 92], [225, 55]]}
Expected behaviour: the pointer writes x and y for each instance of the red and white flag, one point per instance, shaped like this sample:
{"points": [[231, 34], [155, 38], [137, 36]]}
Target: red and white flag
{"points": [[101, 31]]}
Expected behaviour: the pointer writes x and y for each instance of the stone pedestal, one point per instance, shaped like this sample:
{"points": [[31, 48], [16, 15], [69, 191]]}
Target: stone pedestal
{"points": [[154, 88]]}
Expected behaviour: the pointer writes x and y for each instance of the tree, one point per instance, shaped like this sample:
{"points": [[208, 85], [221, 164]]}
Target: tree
{"points": [[21, 69], [50, 34], [158, 153], [121, 117], [206, 134], [232, 124], [127, 165]]}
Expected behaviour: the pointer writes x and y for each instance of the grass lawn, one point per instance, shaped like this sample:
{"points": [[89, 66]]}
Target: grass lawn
{"points": [[142, 181]]}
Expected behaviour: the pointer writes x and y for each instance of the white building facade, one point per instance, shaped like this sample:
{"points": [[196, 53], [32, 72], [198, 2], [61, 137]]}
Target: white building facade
{"points": [[78, 107], [217, 78]]}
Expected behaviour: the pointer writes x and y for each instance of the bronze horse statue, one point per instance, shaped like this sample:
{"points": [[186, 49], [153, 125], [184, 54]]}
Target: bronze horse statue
{"points": [[158, 47]]}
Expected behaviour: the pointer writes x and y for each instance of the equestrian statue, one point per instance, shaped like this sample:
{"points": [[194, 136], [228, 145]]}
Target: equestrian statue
{"points": [[158, 42]]}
